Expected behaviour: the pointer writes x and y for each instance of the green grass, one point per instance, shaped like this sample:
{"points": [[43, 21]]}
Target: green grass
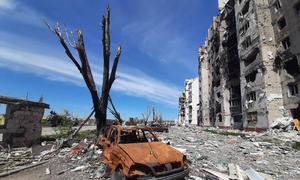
{"points": [[224, 133], [80, 135], [296, 146]]}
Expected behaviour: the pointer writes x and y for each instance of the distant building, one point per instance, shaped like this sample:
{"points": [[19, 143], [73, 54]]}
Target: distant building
{"points": [[189, 103]]}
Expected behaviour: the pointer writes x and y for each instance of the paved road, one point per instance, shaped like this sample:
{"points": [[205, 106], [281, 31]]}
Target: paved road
{"points": [[50, 130]]}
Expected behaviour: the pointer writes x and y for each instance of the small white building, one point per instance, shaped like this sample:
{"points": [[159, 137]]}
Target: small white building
{"points": [[189, 102]]}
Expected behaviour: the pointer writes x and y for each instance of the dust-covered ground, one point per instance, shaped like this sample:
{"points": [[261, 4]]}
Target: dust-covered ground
{"points": [[272, 153]]}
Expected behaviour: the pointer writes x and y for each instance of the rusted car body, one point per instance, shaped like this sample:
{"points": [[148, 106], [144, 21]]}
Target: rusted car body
{"points": [[135, 152], [159, 128]]}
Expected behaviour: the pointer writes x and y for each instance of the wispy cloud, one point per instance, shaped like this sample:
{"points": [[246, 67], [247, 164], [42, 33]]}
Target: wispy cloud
{"points": [[130, 81], [7, 4], [155, 33], [20, 12]]}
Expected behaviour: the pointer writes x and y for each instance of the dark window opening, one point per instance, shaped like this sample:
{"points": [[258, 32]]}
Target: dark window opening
{"points": [[286, 43], [244, 29], [292, 67], [235, 92], [297, 9], [247, 42], [252, 119], [245, 9], [296, 112], [251, 96], [251, 77], [277, 5], [293, 89], [281, 23], [252, 57], [240, 1]]}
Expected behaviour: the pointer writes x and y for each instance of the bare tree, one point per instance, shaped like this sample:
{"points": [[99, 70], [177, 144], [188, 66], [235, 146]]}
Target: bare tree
{"points": [[69, 41], [146, 115]]}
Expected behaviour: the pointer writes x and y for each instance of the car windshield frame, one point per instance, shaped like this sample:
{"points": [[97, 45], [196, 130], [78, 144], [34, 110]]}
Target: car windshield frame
{"points": [[139, 135]]}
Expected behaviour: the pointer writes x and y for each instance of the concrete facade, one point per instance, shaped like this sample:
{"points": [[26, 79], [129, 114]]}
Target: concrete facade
{"points": [[249, 65], [286, 22]]}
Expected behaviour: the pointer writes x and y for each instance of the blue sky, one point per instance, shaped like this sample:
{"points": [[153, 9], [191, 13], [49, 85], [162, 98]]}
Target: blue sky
{"points": [[160, 39]]}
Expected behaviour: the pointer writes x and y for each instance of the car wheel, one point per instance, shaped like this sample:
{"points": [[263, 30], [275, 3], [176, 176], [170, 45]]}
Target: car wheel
{"points": [[118, 175]]}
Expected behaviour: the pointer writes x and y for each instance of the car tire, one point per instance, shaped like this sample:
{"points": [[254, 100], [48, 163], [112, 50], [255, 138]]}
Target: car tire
{"points": [[118, 175]]}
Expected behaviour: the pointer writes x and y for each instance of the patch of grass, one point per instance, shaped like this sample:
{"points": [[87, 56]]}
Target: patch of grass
{"points": [[224, 133], [64, 134], [86, 134], [296, 146]]}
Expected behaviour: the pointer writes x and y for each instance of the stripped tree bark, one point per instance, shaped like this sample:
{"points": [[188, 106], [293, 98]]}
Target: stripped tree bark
{"points": [[68, 40]]}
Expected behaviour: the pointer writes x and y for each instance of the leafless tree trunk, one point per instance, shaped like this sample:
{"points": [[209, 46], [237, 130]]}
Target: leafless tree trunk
{"points": [[68, 40], [146, 115]]}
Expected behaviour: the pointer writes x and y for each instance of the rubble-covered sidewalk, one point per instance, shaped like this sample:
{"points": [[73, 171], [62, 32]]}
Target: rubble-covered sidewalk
{"points": [[270, 153]]}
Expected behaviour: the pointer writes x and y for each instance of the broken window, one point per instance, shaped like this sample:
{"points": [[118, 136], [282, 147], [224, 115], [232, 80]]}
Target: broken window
{"points": [[251, 96], [277, 5], [281, 23], [251, 77], [297, 9], [292, 66], [293, 89], [252, 57], [252, 119], [244, 28], [286, 43], [245, 9], [247, 42], [2, 114]]}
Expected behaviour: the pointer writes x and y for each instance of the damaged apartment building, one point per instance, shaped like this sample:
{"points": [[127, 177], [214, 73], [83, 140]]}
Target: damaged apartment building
{"points": [[219, 73], [189, 103], [248, 65]]}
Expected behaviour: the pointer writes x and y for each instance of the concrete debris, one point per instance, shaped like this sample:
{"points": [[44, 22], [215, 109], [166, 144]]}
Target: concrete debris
{"points": [[47, 171], [215, 153]]}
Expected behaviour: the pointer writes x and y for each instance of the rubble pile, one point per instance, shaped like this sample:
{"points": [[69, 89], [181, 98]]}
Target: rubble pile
{"points": [[10, 159], [82, 160], [215, 150]]}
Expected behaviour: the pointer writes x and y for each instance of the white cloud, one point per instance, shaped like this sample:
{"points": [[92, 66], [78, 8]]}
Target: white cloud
{"points": [[130, 81], [18, 11], [7, 4]]}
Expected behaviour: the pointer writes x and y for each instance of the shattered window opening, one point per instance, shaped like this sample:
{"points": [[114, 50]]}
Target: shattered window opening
{"points": [[251, 96], [281, 23], [251, 77], [293, 89], [286, 43], [247, 42], [292, 66]]}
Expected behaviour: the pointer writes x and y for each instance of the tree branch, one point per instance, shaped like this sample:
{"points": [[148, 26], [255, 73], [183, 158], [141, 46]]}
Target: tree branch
{"points": [[115, 66], [56, 30]]}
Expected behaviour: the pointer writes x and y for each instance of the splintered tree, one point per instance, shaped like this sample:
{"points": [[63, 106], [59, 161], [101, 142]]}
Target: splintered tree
{"points": [[70, 41]]}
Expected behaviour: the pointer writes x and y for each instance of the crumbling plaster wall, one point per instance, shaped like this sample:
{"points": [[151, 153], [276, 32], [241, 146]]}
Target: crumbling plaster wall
{"points": [[23, 125], [288, 11]]}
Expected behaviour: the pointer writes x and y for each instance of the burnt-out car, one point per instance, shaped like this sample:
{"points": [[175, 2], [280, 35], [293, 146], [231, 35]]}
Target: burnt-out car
{"points": [[159, 128], [136, 153]]}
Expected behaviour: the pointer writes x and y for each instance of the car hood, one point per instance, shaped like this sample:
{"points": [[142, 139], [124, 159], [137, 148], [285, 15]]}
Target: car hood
{"points": [[151, 153]]}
